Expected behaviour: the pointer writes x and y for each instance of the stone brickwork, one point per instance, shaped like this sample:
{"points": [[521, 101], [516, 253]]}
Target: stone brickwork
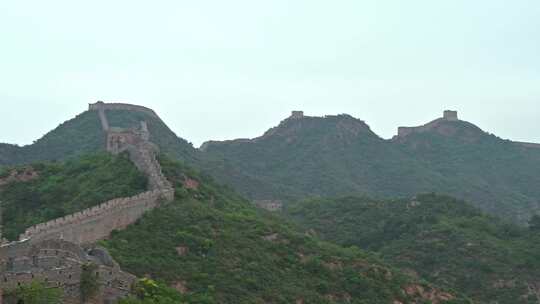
{"points": [[96, 223], [52, 251], [58, 263]]}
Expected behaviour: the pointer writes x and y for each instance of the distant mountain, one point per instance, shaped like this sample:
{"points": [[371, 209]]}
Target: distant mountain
{"points": [[435, 237], [340, 155], [84, 134]]}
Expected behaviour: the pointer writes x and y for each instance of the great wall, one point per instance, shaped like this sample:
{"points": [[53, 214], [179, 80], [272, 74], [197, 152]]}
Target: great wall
{"points": [[448, 116], [53, 251]]}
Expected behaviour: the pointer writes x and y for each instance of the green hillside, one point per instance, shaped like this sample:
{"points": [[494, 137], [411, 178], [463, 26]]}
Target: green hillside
{"points": [[317, 156], [339, 155], [217, 248], [209, 243], [59, 189], [75, 137], [83, 134], [435, 237], [498, 175]]}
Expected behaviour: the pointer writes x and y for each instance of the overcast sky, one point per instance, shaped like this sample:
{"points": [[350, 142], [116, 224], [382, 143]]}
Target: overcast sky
{"points": [[228, 69]]}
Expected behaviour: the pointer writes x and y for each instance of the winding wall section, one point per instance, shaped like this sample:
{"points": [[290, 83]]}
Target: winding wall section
{"points": [[96, 223]]}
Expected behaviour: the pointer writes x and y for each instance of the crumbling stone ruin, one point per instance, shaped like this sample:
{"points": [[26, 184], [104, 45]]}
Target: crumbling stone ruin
{"points": [[54, 253]]}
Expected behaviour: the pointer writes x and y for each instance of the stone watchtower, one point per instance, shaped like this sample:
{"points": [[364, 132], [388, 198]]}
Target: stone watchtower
{"points": [[450, 115], [297, 114]]}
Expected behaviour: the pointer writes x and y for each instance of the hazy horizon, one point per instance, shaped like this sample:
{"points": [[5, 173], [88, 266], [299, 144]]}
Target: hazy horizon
{"points": [[214, 70]]}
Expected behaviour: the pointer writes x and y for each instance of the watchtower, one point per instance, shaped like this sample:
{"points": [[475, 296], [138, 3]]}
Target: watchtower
{"points": [[297, 114], [450, 115]]}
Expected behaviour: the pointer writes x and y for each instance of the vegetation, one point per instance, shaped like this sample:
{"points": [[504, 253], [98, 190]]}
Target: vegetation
{"points": [[65, 188], [148, 291], [340, 155], [83, 135], [89, 282], [216, 248], [78, 136], [438, 238], [36, 293]]}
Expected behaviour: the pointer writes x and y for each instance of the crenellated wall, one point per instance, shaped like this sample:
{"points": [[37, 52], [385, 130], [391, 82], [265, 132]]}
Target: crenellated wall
{"points": [[58, 263], [96, 223], [60, 266]]}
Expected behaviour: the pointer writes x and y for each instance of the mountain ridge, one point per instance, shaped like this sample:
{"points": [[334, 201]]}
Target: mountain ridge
{"points": [[316, 156]]}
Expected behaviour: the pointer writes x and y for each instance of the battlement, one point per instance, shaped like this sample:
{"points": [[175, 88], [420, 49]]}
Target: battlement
{"points": [[102, 106], [97, 222]]}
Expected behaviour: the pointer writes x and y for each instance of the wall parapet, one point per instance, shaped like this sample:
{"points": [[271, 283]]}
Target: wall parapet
{"points": [[99, 213], [100, 105]]}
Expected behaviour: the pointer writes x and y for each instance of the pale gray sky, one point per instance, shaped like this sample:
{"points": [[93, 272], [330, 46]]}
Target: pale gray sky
{"points": [[228, 69]]}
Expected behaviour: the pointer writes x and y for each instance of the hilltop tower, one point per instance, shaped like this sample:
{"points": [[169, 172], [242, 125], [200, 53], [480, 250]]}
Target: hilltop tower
{"points": [[450, 115], [297, 114]]}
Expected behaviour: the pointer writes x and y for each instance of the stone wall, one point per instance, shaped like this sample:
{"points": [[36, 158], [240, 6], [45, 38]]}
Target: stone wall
{"points": [[96, 223], [58, 263], [102, 106], [51, 251], [447, 116]]}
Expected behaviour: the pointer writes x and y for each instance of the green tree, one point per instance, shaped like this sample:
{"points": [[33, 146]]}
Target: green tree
{"points": [[37, 293], [534, 223], [89, 281]]}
